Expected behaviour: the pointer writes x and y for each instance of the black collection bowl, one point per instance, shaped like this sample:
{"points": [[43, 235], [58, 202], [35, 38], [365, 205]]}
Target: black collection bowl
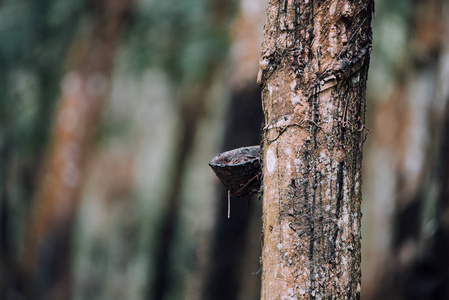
{"points": [[239, 170]]}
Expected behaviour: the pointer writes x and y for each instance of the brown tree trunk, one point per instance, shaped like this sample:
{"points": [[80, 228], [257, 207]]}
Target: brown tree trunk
{"points": [[313, 71], [84, 90], [407, 247]]}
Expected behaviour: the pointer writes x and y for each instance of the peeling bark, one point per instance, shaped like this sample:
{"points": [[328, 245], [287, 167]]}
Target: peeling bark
{"points": [[313, 70]]}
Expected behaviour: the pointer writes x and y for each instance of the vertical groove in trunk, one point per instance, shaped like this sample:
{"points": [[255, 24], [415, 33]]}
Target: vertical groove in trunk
{"points": [[313, 71]]}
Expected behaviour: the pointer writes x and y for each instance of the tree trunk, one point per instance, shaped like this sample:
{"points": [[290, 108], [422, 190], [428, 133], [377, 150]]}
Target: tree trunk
{"points": [[406, 248], [47, 247], [313, 70]]}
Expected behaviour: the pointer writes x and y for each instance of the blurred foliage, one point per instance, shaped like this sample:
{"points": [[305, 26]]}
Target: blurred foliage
{"points": [[181, 37], [34, 38], [38, 39], [391, 29]]}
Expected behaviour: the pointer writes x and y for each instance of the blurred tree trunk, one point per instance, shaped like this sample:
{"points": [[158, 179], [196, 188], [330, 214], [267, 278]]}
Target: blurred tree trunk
{"points": [[192, 107], [191, 110], [411, 128], [223, 279], [84, 90], [313, 70], [235, 250]]}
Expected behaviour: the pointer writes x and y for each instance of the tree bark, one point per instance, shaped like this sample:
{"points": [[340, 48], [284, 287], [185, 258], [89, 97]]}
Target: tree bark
{"points": [[313, 70]]}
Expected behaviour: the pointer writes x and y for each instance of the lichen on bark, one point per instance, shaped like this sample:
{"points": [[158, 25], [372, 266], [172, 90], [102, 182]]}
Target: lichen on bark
{"points": [[313, 70]]}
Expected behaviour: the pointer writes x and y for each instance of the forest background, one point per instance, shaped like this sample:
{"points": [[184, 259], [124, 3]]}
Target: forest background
{"points": [[111, 110]]}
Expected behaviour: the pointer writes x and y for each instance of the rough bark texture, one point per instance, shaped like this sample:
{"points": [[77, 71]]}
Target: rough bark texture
{"points": [[313, 71]]}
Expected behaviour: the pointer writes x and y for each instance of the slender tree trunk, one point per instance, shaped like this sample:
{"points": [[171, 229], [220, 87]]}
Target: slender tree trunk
{"points": [[191, 112], [84, 90], [192, 108], [313, 71], [407, 249]]}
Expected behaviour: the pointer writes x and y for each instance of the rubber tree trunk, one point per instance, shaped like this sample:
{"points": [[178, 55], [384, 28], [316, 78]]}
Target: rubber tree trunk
{"points": [[313, 71], [407, 247], [46, 254]]}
